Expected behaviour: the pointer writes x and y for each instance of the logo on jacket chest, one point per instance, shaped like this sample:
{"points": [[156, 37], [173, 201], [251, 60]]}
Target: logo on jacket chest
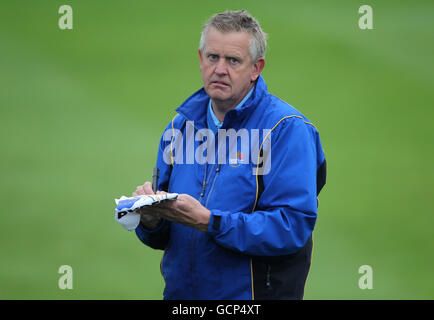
{"points": [[235, 160]]}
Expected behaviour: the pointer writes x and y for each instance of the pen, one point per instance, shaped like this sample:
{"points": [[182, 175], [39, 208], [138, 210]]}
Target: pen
{"points": [[155, 176]]}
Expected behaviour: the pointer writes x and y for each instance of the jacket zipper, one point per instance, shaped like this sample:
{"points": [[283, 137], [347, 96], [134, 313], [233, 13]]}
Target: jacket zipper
{"points": [[213, 183], [204, 183]]}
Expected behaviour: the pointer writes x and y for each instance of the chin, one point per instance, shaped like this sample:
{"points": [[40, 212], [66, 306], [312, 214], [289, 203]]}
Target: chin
{"points": [[217, 94]]}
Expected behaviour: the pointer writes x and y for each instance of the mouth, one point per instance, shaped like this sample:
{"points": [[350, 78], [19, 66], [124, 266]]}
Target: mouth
{"points": [[219, 84]]}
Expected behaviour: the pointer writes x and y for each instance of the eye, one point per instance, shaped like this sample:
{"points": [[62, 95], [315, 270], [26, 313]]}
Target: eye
{"points": [[213, 57], [233, 60]]}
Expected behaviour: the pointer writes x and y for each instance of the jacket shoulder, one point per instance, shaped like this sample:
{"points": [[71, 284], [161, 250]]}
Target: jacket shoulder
{"points": [[277, 111], [177, 122]]}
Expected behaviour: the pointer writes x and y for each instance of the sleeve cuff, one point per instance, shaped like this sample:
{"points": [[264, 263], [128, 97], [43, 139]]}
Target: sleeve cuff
{"points": [[215, 222]]}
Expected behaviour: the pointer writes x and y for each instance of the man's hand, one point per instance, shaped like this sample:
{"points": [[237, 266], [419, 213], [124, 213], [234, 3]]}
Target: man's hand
{"points": [[149, 218], [185, 210]]}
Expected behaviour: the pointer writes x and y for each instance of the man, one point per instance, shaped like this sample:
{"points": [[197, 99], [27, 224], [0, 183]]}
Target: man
{"points": [[242, 225]]}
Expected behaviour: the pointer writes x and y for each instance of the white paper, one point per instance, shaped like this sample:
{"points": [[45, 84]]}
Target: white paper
{"points": [[126, 212]]}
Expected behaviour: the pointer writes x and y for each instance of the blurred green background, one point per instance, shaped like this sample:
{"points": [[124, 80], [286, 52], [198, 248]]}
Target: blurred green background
{"points": [[82, 111]]}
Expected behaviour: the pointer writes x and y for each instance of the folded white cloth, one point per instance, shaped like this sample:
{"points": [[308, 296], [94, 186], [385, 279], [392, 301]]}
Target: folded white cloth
{"points": [[126, 212]]}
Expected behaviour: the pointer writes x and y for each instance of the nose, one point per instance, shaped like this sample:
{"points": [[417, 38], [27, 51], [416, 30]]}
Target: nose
{"points": [[221, 68]]}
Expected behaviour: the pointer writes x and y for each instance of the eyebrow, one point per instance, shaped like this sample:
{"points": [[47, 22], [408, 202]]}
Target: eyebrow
{"points": [[226, 57]]}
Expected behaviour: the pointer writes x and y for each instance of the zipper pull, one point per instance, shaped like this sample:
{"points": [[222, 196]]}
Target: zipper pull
{"points": [[202, 193], [268, 278]]}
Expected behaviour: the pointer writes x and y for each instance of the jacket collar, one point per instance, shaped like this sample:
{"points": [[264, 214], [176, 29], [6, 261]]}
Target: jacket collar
{"points": [[195, 107]]}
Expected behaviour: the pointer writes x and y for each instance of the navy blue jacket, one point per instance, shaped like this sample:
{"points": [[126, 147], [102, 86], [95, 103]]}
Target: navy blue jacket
{"points": [[263, 201]]}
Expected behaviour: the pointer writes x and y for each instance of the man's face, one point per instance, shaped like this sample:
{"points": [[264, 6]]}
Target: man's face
{"points": [[227, 70]]}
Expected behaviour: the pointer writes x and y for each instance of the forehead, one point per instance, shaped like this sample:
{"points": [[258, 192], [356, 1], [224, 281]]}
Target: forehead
{"points": [[227, 43]]}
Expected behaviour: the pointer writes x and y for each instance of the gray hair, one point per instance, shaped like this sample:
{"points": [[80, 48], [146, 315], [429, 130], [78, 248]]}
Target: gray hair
{"points": [[237, 21]]}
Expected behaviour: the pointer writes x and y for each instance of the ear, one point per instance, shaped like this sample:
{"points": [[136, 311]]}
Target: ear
{"points": [[200, 59], [258, 66]]}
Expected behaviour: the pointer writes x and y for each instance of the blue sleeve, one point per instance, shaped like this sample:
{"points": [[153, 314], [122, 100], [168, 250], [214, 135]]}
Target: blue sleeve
{"points": [[158, 238], [286, 210]]}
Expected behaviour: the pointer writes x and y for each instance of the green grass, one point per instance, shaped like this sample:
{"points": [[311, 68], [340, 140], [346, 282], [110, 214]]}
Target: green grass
{"points": [[82, 112]]}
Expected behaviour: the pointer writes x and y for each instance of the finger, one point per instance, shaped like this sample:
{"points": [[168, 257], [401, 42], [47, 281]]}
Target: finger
{"points": [[165, 204], [146, 211], [147, 188], [139, 190]]}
